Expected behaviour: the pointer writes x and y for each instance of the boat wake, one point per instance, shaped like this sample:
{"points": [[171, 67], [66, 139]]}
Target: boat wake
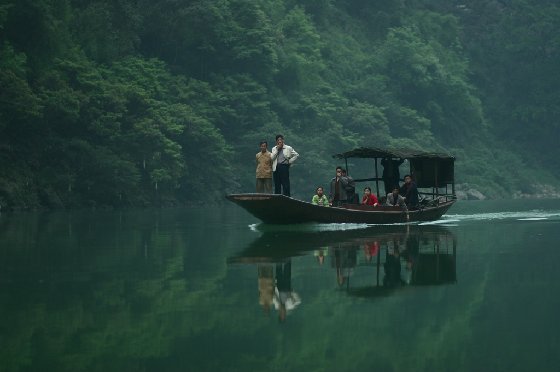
{"points": [[448, 220], [443, 222], [309, 227], [532, 215]]}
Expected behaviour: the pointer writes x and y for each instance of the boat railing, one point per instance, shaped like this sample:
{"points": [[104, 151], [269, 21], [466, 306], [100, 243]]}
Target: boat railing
{"points": [[435, 193], [441, 196]]}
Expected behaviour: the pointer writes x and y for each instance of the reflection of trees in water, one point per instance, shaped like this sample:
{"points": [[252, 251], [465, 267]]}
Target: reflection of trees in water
{"points": [[93, 292]]}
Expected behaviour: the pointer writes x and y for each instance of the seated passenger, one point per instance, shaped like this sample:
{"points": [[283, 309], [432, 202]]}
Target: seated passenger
{"points": [[394, 199], [410, 192], [319, 198], [369, 198]]}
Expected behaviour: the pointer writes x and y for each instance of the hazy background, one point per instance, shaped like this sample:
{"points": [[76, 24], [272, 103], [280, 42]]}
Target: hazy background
{"points": [[136, 102]]}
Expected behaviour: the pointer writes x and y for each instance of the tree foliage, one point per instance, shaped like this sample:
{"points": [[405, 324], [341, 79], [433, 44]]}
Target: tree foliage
{"points": [[134, 102]]}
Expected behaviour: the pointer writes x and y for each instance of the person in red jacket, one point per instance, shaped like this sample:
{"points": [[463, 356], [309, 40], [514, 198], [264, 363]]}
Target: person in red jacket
{"points": [[369, 198]]}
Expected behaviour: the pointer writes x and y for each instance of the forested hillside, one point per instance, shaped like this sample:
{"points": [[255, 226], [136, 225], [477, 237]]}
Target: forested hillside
{"points": [[137, 102]]}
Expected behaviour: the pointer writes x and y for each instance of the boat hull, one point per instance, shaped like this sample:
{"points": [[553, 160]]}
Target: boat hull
{"points": [[280, 209]]}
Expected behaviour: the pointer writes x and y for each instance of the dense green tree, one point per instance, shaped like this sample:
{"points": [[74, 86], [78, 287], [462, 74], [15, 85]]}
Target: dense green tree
{"points": [[107, 30], [133, 102]]}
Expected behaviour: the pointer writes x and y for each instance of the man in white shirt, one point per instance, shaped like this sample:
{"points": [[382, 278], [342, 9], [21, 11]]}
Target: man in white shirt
{"points": [[282, 157]]}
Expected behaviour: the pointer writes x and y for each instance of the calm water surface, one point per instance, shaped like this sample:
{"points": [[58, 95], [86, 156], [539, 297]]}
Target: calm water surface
{"points": [[199, 290]]}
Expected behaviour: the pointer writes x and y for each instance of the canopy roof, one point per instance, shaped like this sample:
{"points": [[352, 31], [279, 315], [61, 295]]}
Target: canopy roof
{"points": [[375, 152]]}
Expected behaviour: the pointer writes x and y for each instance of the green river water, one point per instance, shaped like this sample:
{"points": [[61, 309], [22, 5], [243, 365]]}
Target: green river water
{"points": [[199, 289]]}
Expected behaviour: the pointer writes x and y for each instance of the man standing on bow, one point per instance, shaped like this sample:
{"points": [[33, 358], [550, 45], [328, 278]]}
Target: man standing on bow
{"points": [[282, 157], [264, 170]]}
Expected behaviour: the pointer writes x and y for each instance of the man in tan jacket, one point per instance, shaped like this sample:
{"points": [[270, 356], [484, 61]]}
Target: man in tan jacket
{"points": [[264, 169]]}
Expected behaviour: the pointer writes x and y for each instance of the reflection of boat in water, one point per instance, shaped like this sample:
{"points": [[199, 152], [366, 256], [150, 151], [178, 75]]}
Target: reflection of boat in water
{"points": [[426, 254], [273, 246], [432, 172], [424, 257], [370, 262]]}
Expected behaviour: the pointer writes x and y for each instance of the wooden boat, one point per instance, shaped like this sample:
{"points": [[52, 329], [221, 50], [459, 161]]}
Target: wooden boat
{"points": [[429, 170], [280, 209]]}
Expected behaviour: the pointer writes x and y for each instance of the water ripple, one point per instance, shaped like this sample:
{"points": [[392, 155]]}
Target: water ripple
{"points": [[533, 215]]}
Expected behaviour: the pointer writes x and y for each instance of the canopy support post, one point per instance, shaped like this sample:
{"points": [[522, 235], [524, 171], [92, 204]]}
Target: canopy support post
{"points": [[376, 179]]}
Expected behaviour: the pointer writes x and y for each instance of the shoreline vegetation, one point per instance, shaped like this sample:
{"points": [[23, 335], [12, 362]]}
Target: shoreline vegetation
{"points": [[466, 194], [137, 103]]}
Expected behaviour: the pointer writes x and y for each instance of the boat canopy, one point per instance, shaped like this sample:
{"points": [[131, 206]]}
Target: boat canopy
{"points": [[429, 169], [375, 152]]}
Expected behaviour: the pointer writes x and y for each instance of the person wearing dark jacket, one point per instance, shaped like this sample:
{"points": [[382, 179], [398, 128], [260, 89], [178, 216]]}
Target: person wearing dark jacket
{"points": [[339, 183], [409, 192], [351, 196], [391, 174]]}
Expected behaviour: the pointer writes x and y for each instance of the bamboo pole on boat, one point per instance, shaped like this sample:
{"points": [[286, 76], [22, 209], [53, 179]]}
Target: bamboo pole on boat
{"points": [[376, 179]]}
